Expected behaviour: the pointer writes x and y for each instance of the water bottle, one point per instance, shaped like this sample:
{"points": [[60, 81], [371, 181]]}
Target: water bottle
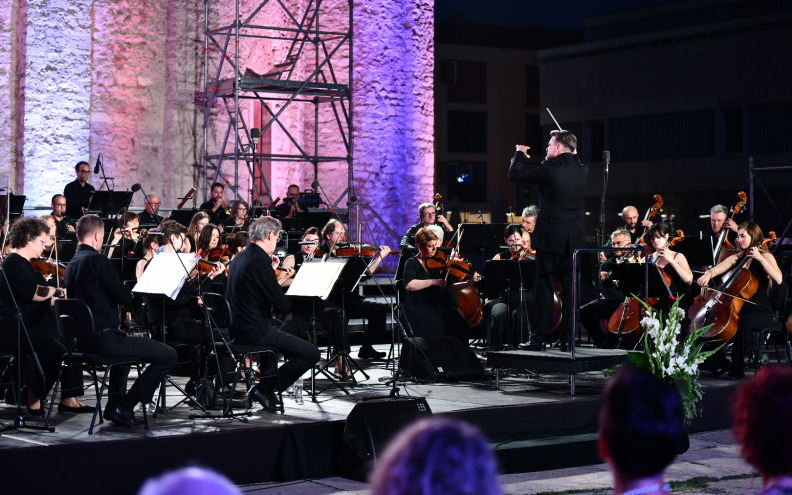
{"points": [[298, 390]]}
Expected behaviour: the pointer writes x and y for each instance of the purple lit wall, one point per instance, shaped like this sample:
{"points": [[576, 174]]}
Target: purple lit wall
{"points": [[120, 77]]}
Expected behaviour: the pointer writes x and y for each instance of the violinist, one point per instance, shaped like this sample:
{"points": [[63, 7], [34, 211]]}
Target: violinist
{"points": [[236, 243], [126, 238], [64, 222], [611, 296], [430, 305], [197, 223], [238, 220], [151, 244], [496, 318], [427, 216], [673, 265], [764, 269], [308, 243], [52, 232], [356, 305], [150, 215], [27, 238]]}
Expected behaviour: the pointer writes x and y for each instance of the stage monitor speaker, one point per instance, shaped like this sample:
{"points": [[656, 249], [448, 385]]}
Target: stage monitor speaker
{"points": [[437, 359], [371, 425]]}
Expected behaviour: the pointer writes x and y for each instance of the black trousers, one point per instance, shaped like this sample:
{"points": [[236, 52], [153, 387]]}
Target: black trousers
{"points": [[375, 313], [301, 355], [550, 268], [113, 342], [748, 322], [49, 350], [498, 323], [591, 315]]}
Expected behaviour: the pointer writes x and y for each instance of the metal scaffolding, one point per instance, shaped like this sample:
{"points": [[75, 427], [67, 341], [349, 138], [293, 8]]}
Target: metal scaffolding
{"points": [[306, 75]]}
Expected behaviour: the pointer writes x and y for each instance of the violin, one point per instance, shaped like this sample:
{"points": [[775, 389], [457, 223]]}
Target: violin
{"points": [[353, 250], [207, 267], [217, 254], [48, 268]]}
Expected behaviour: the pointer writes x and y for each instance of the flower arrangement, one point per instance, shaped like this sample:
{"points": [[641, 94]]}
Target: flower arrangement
{"points": [[667, 356]]}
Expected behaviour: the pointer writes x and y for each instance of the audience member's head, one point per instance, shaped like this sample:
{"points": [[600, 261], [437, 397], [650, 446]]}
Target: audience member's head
{"points": [[640, 426], [763, 423], [437, 457], [191, 480]]}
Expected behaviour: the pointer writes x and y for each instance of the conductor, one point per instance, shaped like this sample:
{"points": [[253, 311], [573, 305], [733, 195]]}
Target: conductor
{"points": [[559, 229]]}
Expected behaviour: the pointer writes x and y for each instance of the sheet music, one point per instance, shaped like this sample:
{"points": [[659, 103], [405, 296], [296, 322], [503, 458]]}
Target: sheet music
{"points": [[165, 275], [316, 279]]}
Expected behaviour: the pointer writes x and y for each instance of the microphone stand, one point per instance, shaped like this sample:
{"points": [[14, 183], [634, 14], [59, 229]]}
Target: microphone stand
{"points": [[601, 234], [19, 420]]}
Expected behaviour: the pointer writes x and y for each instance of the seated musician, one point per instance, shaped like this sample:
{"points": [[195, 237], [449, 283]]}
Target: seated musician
{"points": [[719, 218], [528, 223], [673, 264], [290, 206], [238, 220], [496, 309], [430, 305], [236, 243], [427, 215], [65, 223], [33, 294], [353, 303], [126, 238], [150, 215], [308, 243], [151, 244], [197, 223], [183, 317], [91, 277], [253, 293], [52, 232], [215, 207], [765, 271], [611, 296]]}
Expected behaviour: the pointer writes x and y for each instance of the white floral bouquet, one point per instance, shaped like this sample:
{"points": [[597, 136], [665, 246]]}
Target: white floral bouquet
{"points": [[669, 357]]}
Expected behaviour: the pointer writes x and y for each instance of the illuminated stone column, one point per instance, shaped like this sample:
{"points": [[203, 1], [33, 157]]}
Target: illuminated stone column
{"points": [[57, 91], [9, 89]]}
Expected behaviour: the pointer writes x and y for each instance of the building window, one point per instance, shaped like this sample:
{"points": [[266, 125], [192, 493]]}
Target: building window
{"points": [[470, 78], [467, 181], [467, 132]]}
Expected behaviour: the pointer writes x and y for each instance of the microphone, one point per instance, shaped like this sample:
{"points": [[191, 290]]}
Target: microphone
{"points": [[255, 135], [307, 243], [135, 187], [98, 161], [315, 184]]}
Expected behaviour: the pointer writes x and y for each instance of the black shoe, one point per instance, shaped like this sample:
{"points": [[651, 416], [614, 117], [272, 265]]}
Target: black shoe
{"points": [[368, 352], [123, 416], [563, 347], [264, 394], [63, 408], [532, 345], [36, 412]]}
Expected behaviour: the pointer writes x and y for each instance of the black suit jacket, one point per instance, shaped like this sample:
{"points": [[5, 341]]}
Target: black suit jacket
{"points": [[562, 183]]}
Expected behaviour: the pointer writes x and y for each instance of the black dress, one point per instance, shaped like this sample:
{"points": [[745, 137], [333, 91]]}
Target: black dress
{"points": [[431, 311]]}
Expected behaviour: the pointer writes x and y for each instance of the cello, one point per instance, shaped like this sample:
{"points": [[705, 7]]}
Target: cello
{"points": [[653, 210], [469, 303], [626, 320], [722, 310]]}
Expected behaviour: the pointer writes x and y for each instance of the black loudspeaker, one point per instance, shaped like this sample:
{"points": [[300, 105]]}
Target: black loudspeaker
{"points": [[525, 194], [437, 359], [371, 425]]}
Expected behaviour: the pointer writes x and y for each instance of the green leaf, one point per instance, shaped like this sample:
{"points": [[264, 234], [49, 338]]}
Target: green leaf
{"points": [[639, 358]]}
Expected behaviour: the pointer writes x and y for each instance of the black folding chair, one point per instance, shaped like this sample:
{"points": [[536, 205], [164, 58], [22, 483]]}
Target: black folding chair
{"points": [[75, 321], [774, 332], [220, 318]]}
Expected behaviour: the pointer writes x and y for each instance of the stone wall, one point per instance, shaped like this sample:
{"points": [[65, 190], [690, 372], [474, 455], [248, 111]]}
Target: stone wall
{"points": [[122, 78]]}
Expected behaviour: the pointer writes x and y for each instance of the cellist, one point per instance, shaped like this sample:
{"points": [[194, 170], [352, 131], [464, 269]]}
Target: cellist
{"points": [[764, 268]]}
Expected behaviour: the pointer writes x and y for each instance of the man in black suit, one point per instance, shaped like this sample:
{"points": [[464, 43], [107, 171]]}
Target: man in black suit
{"points": [[559, 229], [78, 192]]}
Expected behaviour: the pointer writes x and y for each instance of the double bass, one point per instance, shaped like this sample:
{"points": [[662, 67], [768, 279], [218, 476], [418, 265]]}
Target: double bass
{"points": [[721, 307], [653, 210], [723, 245]]}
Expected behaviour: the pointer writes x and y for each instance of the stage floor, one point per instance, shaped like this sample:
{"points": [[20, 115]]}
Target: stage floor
{"points": [[532, 421]]}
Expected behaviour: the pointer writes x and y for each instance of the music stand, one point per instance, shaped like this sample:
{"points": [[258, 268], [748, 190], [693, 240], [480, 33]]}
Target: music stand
{"points": [[183, 216], [698, 251], [509, 275], [164, 278], [632, 278], [316, 280], [110, 202], [481, 237], [314, 217]]}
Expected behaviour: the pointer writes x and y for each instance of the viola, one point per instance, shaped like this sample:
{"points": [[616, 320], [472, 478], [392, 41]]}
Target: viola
{"points": [[217, 254]]}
